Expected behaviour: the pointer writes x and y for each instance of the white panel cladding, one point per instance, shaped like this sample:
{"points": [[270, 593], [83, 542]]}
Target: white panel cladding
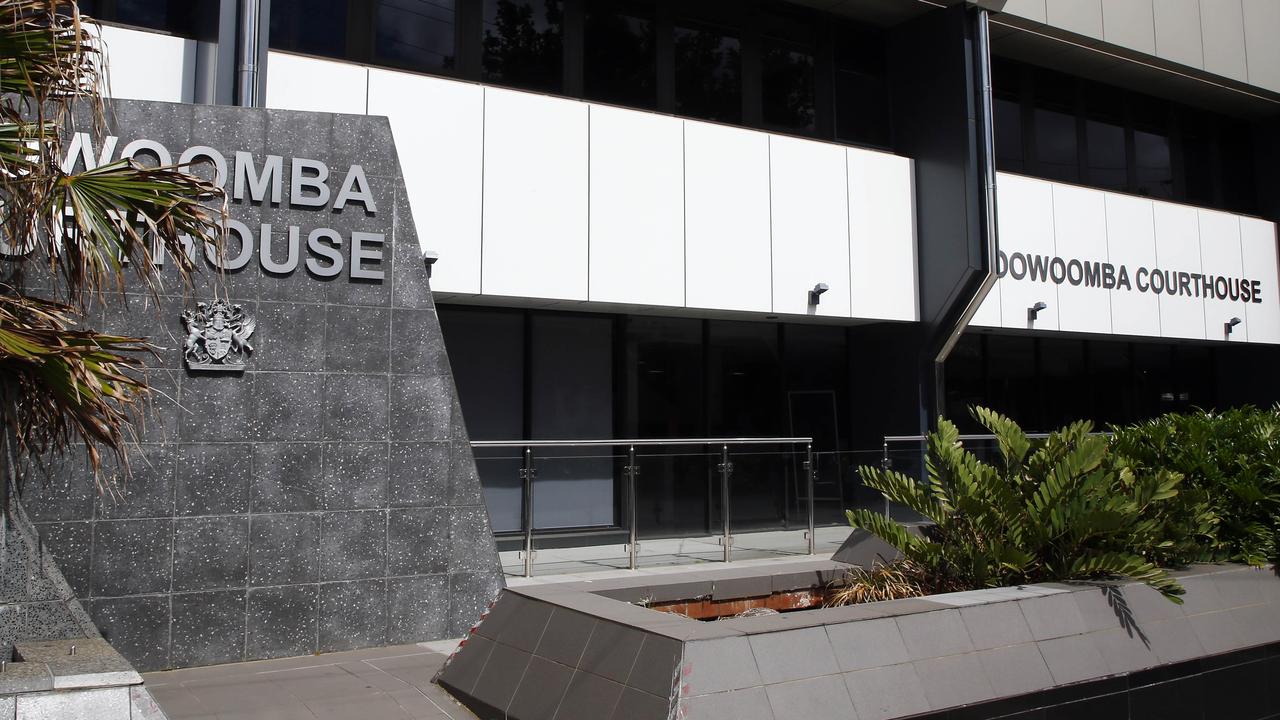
{"points": [[882, 236], [1131, 243], [149, 66], [1177, 227], [440, 155], [988, 314], [1220, 256], [1130, 23], [302, 83], [1258, 251], [810, 221], [1079, 16], [535, 196], [1080, 232], [1222, 36], [1177, 25], [1261, 28], [1025, 214], [727, 253], [637, 208]]}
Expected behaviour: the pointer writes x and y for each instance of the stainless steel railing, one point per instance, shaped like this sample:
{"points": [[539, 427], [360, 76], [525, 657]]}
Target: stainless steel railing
{"points": [[631, 473]]}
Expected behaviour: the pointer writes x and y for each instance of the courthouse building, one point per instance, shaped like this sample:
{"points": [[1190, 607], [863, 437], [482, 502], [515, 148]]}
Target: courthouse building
{"points": [[834, 219]]}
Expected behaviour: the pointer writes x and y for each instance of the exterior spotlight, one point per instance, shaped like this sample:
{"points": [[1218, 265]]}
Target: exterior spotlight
{"points": [[1229, 325], [429, 258], [815, 295], [1034, 310]]}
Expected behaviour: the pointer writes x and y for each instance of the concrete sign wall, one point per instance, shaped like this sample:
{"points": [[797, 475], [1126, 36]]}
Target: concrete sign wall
{"points": [[324, 496]]}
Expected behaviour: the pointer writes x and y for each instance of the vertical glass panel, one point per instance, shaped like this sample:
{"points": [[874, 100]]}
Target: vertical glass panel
{"points": [[491, 391], [571, 397], [788, 85], [523, 44], [1012, 370], [965, 382], [1154, 165], [1008, 134], [315, 27], [1065, 382], [817, 374], [1155, 387], [1239, 157], [862, 97], [174, 16], [1106, 155], [1056, 145], [417, 34], [619, 66], [708, 69], [1111, 382], [1198, 157]]}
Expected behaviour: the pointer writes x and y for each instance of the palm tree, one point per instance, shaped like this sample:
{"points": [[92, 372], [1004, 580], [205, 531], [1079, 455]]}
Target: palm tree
{"points": [[61, 382]]}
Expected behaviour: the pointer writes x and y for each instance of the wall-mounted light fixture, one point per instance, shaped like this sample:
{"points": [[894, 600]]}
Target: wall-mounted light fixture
{"points": [[1230, 325], [1034, 310], [429, 258], [815, 295]]}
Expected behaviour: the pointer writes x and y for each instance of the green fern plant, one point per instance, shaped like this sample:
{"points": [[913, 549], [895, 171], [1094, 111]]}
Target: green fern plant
{"points": [[1056, 509]]}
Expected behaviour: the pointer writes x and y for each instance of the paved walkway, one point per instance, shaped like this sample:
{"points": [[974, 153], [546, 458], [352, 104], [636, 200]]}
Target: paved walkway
{"points": [[391, 683]]}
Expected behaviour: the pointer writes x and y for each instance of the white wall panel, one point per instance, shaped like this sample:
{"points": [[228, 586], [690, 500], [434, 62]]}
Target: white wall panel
{"points": [[809, 215], [149, 66], [1222, 34], [727, 218], [882, 236], [988, 314], [1130, 23], [1177, 25], [1258, 251], [637, 207], [439, 130], [1025, 214], [1178, 250], [535, 196], [1080, 231], [1131, 242], [302, 83], [1220, 255]]}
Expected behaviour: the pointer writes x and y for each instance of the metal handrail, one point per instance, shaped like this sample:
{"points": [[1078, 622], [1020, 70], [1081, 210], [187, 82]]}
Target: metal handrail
{"points": [[632, 472]]}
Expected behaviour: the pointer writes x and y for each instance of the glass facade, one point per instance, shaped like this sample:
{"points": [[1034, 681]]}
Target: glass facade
{"points": [[187, 18]]}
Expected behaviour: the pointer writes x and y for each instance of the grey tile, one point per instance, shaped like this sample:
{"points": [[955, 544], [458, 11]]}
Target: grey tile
{"points": [[421, 407], [712, 666], [995, 625], [1242, 587], [1202, 595], [355, 476], [657, 665], [218, 408], [793, 655], [132, 557], [355, 407], [867, 643], [1100, 608], [543, 685], [213, 479], [501, 676], [284, 549], [526, 628], [288, 405], [886, 692], [588, 697], [358, 339], [147, 489], [1073, 658], [137, 627], [418, 608], [1124, 650], [613, 649], [208, 628], [87, 705], [353, 545], [1015, 669], [636, 705], [353, 615], [953, 681], [290, 336], [1146, 605], [1173, 640], [463, 670], [419, 474], [471, 545], [418, 541], [281, 622], [565, 636], [1052, 616], [934, 634], [287, 477], [813, 698], [66, 492], [746, 704], [69, 543], [210, 553], [1218, 632], [420, 342], [469, 596]]}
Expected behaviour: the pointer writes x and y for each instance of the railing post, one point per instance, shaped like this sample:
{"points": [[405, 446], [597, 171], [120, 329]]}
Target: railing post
{"points": [[809, 471], [726, 469], [526, 477], [884, 465], [632, 472]]}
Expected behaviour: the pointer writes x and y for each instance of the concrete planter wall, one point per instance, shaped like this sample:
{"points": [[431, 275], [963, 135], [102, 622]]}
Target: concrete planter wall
{"points": [[1040, 651]]}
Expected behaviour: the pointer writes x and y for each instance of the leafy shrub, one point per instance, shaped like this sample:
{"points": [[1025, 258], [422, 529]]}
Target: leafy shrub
{"points": [[1062, 508], [1228, 507]]}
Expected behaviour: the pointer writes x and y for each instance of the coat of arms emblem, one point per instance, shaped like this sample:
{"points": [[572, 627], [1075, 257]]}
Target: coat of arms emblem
{"points": [[217, 336]]}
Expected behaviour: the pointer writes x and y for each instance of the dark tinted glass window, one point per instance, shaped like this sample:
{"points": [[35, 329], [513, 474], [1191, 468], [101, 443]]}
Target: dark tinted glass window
{"points": [[1056, 145], [1106, 155], [708, 70], [417, 34], [1198, 158], [1008, 135], [1239, 186], [619, 65], [787, 82], [523, 44], [862, 98], [180, 17], [1153, 163], [315, 27]]}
